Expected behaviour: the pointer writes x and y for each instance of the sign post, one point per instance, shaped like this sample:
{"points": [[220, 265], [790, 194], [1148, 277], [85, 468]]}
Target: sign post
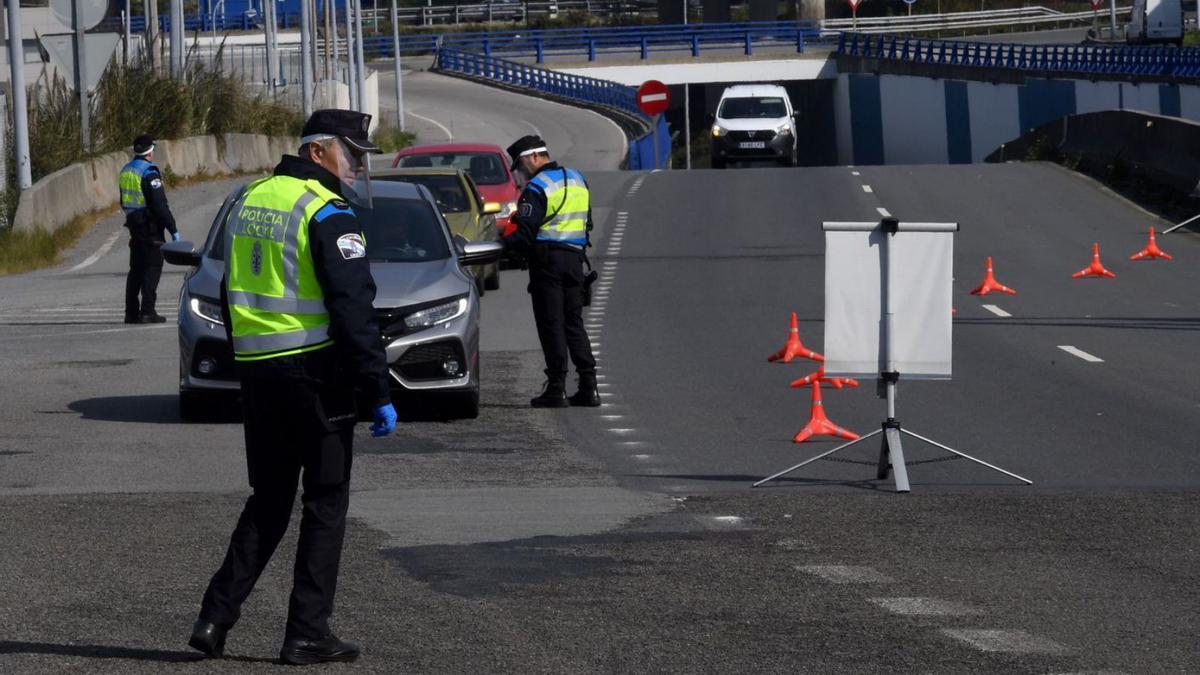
{"points": [[910, 3], [653, 98], [854, 11], [1096, 16]]}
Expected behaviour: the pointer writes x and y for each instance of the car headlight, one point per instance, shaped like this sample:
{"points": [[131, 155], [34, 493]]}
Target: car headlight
{"points": [[784, 128], [432, 316], [507, 210], [208, 310], [718, 130]]}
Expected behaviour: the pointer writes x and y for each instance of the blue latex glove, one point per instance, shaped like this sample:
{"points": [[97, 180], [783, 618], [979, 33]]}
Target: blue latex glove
{"points": [[174, 236], [385, 420]]}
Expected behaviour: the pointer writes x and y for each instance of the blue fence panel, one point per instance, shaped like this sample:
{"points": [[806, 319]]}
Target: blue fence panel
{"points": [[642, 156], [1114, 60]]}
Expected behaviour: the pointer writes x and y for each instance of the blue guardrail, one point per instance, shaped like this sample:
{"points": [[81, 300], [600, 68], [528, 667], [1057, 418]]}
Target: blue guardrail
{"points": [[579, 88], [1176, 62]]}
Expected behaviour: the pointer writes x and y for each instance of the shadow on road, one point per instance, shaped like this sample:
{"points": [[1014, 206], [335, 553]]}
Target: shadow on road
{"points": [[111, 652], [152, 408]]}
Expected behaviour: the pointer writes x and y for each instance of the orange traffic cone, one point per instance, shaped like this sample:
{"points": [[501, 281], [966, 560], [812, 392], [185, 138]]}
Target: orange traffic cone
{"points": [[819, 376], [794, 347], [819, 424], [990, 284], [1096, 269], [1151, 251]]}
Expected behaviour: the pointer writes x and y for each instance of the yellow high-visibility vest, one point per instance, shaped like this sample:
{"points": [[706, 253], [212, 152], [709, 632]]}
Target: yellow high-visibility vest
{"points": [[276, 303], [130, 181], [567, 202]]}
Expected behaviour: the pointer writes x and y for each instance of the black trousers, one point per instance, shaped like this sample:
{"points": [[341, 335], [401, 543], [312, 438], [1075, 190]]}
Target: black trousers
{"points": [[556, 284], [299, 426], [145, 269]]}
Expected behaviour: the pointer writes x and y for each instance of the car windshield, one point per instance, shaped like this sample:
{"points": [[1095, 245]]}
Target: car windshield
{"points": [[752, 108], [396, 230], [402, 230], [447, 190], [485, 168]]}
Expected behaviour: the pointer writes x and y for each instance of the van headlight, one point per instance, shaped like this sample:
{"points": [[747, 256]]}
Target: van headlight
{"points": [[432, 316], [783, 129], [507, 209], [206, 309], [719, 130]]}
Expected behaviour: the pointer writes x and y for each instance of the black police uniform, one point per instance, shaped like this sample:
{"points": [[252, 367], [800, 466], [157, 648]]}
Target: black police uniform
{"points": [[146, 227], [299, 424], [556, 284]]}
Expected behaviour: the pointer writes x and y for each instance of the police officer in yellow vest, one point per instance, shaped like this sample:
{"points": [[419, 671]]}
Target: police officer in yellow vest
{"points": [[146, 216], [553, 218], [298, 299]]}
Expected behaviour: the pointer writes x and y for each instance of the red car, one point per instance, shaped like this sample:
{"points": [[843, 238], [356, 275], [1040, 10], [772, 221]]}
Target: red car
{"points": [[486, 164]]}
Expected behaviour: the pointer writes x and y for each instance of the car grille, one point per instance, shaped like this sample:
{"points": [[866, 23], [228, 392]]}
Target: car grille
{"points": [[754, 135], [424, 362]]}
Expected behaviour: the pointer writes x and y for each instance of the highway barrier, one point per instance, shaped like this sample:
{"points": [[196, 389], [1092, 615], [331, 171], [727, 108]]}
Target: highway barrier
{"points": [[611, 98], [83, 188], [1158, 149], [1170, 62]]}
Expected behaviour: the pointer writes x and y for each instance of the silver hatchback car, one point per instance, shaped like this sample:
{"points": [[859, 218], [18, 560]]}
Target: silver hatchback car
{"points": [[427, 304]]}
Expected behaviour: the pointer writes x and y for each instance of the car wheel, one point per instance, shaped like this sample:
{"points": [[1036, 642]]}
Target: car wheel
{"points": [[492, 281]]}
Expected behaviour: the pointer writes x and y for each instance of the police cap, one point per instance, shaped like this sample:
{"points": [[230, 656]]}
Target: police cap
{"points": [[350, 125], [143, 144], [526, 145]]}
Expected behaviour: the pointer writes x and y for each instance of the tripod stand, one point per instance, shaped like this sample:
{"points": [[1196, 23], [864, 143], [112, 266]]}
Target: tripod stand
{"points": [[891, 450]]}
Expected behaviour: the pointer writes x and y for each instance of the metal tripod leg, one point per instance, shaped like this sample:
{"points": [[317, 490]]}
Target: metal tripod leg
{"points": [[820, 456], [896, 451], [964, 455]]}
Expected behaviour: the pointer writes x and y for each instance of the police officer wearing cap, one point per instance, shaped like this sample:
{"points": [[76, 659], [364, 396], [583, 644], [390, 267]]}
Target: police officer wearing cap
{"points": [[553, 218], [146, 216], [297, 299]]}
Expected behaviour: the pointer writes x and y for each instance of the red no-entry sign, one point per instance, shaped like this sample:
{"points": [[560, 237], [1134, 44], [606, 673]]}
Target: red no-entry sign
{"points": [[653, 97]]}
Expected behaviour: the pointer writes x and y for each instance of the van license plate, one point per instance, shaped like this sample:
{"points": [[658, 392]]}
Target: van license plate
{"points": [[752, 145]]}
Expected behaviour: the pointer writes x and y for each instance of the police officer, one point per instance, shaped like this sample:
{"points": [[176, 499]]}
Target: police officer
{"points": [[297, 295], [146, 215], [553, 218]]}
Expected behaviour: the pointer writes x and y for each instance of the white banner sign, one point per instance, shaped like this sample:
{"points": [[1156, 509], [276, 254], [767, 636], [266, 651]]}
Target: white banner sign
{"points": [[856, 294]]}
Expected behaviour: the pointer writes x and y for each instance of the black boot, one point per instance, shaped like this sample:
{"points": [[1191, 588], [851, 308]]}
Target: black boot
{"points": [[588, 395], [209, 638], [299, 652], [554, 395]]}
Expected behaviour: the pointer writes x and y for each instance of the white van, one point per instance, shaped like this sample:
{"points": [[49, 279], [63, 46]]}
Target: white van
{"points": [[1155, 21], [753, 122]]}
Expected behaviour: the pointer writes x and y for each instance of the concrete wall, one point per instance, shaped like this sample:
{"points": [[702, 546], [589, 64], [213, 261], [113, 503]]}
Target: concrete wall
{"points": [[55, 200], [900, 119]]}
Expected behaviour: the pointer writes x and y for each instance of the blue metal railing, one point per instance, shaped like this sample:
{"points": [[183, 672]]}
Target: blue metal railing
{"points": [[578, 88], [1083, 59]]}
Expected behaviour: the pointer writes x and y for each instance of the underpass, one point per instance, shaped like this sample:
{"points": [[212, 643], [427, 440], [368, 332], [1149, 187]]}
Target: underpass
{"points": [[627, 538]]}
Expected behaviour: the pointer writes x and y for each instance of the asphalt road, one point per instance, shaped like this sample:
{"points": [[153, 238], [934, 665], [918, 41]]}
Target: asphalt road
{"points": [[627, 539]]}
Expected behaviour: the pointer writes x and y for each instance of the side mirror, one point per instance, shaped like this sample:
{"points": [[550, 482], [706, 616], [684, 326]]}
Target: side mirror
{"points": [[491, 207], [181, 253], [480, 252]]}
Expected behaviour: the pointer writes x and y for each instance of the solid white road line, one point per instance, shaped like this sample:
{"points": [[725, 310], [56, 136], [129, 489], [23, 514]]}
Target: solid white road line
{"points": [[867, 188], [91, 259], [997, 311], [86, 332], [449, 134], [1075, 351], [883, 212]]}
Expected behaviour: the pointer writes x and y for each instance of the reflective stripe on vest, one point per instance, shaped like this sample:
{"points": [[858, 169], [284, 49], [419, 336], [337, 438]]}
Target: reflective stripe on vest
{"points": [[567, 202], [276, 304], [130, 182]]}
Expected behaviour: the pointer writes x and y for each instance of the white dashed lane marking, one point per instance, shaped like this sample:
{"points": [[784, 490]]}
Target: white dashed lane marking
{"points": [[1007, 641], [867, 189], [883, 212], [1075, 351], [997, 311], [847, 574], [923, 606]]}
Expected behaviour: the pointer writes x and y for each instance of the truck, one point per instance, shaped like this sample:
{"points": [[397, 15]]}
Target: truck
{"points": [[1155, 22]]}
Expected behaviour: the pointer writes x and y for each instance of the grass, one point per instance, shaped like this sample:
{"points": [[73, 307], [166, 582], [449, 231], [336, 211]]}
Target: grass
{"points": [[391, 139], [27, 251]]}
